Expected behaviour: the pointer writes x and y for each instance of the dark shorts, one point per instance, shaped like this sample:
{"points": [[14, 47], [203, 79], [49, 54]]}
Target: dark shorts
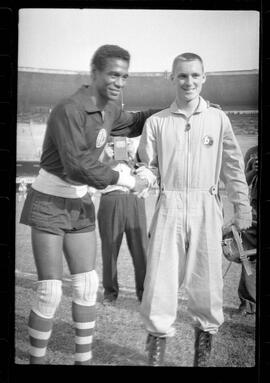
{"points": [[58, 215]]}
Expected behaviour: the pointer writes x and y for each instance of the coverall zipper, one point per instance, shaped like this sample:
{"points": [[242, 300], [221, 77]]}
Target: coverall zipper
{"points": [[187, 129]]}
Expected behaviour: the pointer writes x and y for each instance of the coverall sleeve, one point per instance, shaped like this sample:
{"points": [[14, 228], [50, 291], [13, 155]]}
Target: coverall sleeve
{"points": [[79, 157], [232, 172], [147, 149], [130, 124]]}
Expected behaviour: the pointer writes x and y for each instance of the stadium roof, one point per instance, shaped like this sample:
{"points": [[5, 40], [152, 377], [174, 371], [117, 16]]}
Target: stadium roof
{"points": [[61, 71]]}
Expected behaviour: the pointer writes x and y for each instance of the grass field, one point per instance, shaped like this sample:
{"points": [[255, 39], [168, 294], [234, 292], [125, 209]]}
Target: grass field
{"points": [[119, 335]]}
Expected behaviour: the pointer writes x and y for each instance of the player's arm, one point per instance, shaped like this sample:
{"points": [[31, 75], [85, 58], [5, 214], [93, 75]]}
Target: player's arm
{"points": [[79, 157], [131, 124], [233, 176]]}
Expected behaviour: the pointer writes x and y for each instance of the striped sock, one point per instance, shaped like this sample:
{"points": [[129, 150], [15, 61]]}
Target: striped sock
{"points": [[84, 323], [39, 329]]}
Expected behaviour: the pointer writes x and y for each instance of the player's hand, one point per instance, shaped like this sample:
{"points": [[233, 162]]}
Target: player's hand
{"points": [[109, 151], [145, 173], [140, 185], [242, 223], [122, 167], [144, 194], [125, 177], [131, 149]]}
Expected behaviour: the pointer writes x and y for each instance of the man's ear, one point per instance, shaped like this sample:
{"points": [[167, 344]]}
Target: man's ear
{"points": [[204, 78], [93, 71], [171, 77]]}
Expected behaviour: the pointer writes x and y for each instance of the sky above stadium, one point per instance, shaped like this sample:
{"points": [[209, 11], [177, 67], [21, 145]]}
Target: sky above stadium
{"points": [[65, 39]]}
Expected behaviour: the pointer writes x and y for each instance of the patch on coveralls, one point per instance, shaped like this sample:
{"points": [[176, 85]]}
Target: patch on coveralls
{"points": [[101, 138], [207, 140]]}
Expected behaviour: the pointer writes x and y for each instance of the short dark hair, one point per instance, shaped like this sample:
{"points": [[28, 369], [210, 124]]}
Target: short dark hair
{"points": [[108, 51], [187, 57]]}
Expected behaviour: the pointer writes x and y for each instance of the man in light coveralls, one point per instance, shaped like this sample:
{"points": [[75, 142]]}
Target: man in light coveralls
{"points": [[189, 147]]}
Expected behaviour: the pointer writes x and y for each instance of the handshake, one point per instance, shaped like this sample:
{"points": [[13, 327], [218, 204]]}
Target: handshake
{"points": [[139, 181]]}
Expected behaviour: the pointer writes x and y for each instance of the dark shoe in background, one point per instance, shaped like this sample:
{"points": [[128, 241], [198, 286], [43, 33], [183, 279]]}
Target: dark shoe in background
{"points": [[109, 300]]}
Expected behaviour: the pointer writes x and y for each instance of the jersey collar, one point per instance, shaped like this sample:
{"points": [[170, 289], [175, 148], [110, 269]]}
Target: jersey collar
{"points": [[83, 96]]}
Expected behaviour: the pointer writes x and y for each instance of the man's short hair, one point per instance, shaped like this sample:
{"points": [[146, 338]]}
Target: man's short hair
{"points": [[187, 57], [105, 52]]}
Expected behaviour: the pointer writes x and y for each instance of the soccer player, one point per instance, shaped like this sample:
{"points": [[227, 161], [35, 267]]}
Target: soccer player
{"points": [[60, 210]]}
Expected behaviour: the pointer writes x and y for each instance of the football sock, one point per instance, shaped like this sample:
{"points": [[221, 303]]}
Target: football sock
{"points": [[39, 329], [84, 323]]}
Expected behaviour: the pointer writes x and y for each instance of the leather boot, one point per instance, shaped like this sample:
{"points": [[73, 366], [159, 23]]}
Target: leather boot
{"points": [[156, 349], [203, 343]]}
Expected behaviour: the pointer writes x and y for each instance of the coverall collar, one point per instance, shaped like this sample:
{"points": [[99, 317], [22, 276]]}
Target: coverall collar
{"points": [[203, 105]]}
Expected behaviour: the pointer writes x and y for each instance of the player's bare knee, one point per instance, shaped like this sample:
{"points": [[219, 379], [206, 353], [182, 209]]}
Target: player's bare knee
{"points": [[48, 297], [84, 288]]}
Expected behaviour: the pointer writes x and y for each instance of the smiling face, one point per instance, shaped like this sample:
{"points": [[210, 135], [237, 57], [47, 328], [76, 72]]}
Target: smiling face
{"points": [[109, 81], [188, 78]]}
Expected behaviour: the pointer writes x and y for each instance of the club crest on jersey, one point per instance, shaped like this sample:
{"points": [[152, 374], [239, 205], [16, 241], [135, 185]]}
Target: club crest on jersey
{"points": [[207, 140], [101, 138]]}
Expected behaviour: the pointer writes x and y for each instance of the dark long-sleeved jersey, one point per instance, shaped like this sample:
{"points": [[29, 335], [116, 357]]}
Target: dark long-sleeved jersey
{"points": [[76, 134]]}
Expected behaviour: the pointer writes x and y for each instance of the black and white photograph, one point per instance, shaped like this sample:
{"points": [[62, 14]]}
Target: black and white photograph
{"points": [[136, 187]]}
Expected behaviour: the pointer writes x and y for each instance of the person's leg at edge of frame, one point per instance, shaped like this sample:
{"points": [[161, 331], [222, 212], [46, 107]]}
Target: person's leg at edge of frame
{"points": [[247, 283], [47, 251], [247, 290], [80, 252]]}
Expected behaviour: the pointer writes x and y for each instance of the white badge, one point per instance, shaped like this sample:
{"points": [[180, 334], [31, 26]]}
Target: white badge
{"points": [[208, 140], [101, 138]]}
